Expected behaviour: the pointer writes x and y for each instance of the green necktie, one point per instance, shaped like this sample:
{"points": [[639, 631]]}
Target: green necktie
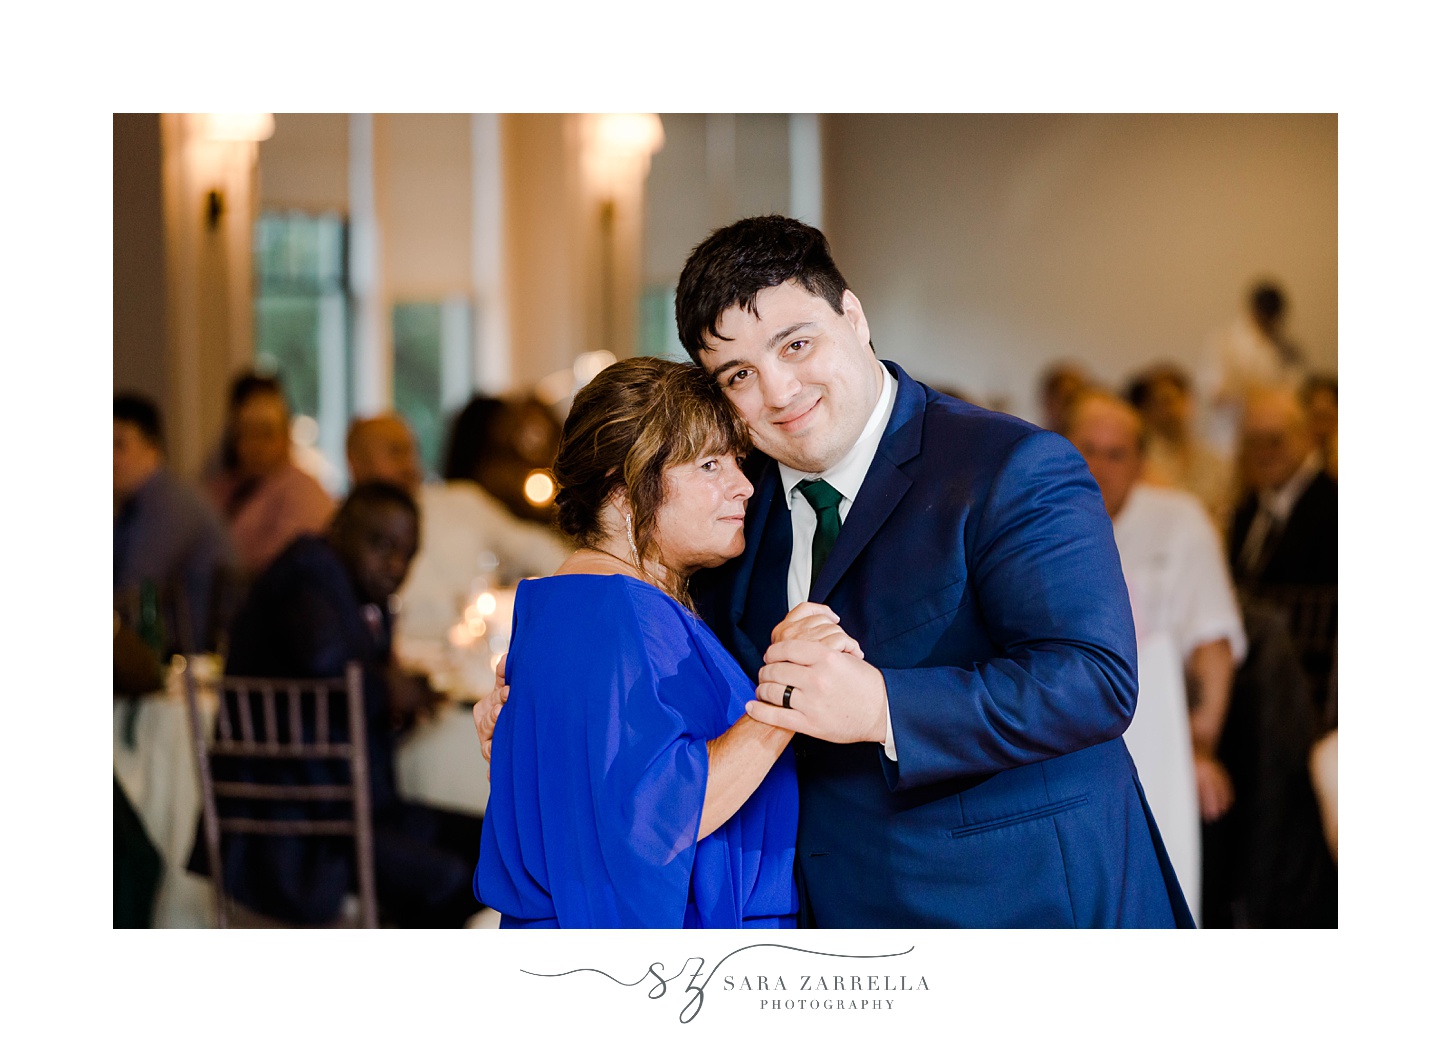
{"points": [[823, 499]]}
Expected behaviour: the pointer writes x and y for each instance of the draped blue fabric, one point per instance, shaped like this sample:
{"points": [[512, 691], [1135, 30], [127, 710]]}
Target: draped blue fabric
{"points": [[599, 771]]}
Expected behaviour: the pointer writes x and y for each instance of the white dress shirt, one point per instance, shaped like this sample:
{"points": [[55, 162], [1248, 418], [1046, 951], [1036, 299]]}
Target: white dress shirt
{"points": [[846, 477], [1182, 598]]}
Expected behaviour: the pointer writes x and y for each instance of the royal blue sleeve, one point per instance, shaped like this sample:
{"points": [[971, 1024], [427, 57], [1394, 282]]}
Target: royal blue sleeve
{"points": [[598, 775]]}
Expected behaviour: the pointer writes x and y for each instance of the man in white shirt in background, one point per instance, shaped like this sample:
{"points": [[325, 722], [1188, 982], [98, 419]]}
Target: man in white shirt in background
{"points": [[1251, 354], [464, 535], [1189, 629]]}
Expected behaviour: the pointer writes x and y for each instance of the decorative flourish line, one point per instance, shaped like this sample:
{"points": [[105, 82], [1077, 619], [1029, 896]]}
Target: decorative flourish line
{"points": [[697, 991], [630, 984]]}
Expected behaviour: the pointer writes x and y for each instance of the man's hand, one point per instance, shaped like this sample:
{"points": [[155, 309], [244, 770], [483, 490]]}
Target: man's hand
{"points": [[836, 697], [1216, 792], [815, 622], [486, 711]]}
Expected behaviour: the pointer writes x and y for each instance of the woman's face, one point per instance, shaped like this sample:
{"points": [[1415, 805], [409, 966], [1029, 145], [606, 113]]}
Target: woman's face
{"points": [[701, 524], [264, 442]]}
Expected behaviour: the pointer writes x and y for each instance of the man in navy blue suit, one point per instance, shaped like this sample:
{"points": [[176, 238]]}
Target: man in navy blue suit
{"points": [[969, 771]]}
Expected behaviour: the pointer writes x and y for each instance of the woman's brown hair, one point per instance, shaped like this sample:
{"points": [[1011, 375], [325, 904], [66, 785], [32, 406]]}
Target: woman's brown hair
{"points": [[631, 423]]}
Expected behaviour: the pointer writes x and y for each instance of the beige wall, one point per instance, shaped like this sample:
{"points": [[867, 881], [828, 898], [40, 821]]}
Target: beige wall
{"points": [[986, 247], [550, 301], [138, 299], [427, 204], [304, 164], [712, 170]]}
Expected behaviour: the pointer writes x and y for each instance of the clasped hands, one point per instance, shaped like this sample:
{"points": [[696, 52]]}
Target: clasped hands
{"points": [[836, 695]]}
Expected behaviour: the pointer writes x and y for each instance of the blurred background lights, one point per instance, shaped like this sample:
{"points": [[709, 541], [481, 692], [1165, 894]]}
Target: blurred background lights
{"points": [[240, 126], [539, 487]]}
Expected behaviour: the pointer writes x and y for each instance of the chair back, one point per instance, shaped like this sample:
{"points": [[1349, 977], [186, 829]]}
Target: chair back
{"points": [[271, 720]]}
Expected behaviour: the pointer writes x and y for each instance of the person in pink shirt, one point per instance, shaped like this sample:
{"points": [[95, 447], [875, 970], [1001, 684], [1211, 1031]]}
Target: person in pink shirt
{"points": [[267, 500]]}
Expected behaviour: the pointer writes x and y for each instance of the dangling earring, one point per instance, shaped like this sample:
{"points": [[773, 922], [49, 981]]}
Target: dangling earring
{"points": [[630, 535]]}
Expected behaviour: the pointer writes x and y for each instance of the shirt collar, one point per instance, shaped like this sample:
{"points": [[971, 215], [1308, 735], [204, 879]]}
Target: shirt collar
{"points": [[850, 471], [1281, 501]]}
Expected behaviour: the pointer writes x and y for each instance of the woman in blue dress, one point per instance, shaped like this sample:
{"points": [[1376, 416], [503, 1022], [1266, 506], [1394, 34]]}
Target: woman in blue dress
{"points": [[628, 787]]}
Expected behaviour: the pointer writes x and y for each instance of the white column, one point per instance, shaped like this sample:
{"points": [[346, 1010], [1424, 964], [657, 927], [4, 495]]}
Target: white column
{"points": [[804, 135], [720, 167], [491, 328], [332, 379], [372, 330]]}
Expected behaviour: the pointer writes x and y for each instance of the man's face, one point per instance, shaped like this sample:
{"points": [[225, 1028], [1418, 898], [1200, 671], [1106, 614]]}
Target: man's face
{"points": [[385, 451], [803, 377], [264, 442], [1274, 441], [133, 461], [1108, 438], [377, 548], [1324, 414]]}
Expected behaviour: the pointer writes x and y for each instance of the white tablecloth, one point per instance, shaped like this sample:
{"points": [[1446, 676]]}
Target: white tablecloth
{"points": [[438, 764]]}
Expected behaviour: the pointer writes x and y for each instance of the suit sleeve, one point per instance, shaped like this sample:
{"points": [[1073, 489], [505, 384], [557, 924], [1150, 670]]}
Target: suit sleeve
{"points": [[1049, 589]]}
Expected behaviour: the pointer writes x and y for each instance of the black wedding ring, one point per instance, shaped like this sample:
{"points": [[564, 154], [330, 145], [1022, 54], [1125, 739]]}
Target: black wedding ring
{"points": [[786, 697]]}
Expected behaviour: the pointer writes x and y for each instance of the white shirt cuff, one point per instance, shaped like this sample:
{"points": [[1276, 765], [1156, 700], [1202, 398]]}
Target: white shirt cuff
{"points": [[890, 744]]}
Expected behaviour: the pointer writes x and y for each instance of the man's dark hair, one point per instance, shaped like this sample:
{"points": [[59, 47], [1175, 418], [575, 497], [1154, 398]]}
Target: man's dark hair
{"points": [[368, 497], [735, 263], [1141, 386], [472, 436], [1267, 301], [141, 412], [247, 384]]}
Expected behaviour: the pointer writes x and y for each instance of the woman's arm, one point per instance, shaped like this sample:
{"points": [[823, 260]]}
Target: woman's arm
{"points": [[739, 760]]}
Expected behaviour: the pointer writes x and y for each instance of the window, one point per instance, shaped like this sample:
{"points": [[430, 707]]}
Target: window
{"points": [[432, 370], [657, 334], [302, 330]]}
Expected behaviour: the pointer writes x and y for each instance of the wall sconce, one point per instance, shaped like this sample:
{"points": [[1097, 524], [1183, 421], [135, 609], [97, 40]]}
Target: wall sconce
{"points": [[247, 127], [238, 126], [618, 147]]}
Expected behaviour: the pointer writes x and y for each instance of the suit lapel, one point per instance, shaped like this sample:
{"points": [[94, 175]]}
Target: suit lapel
{"points": [[884, 487]]}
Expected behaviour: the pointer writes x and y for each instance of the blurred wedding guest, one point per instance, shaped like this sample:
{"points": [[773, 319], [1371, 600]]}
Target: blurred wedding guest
{"points": [[465, 534], [165, 535], [267, 499], [1251, 354], [1320, 395], [321, 604], [1190, 634], [1057, 387], [1284, 538], [1285, 530], [498, 443], [1174, 454]]}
